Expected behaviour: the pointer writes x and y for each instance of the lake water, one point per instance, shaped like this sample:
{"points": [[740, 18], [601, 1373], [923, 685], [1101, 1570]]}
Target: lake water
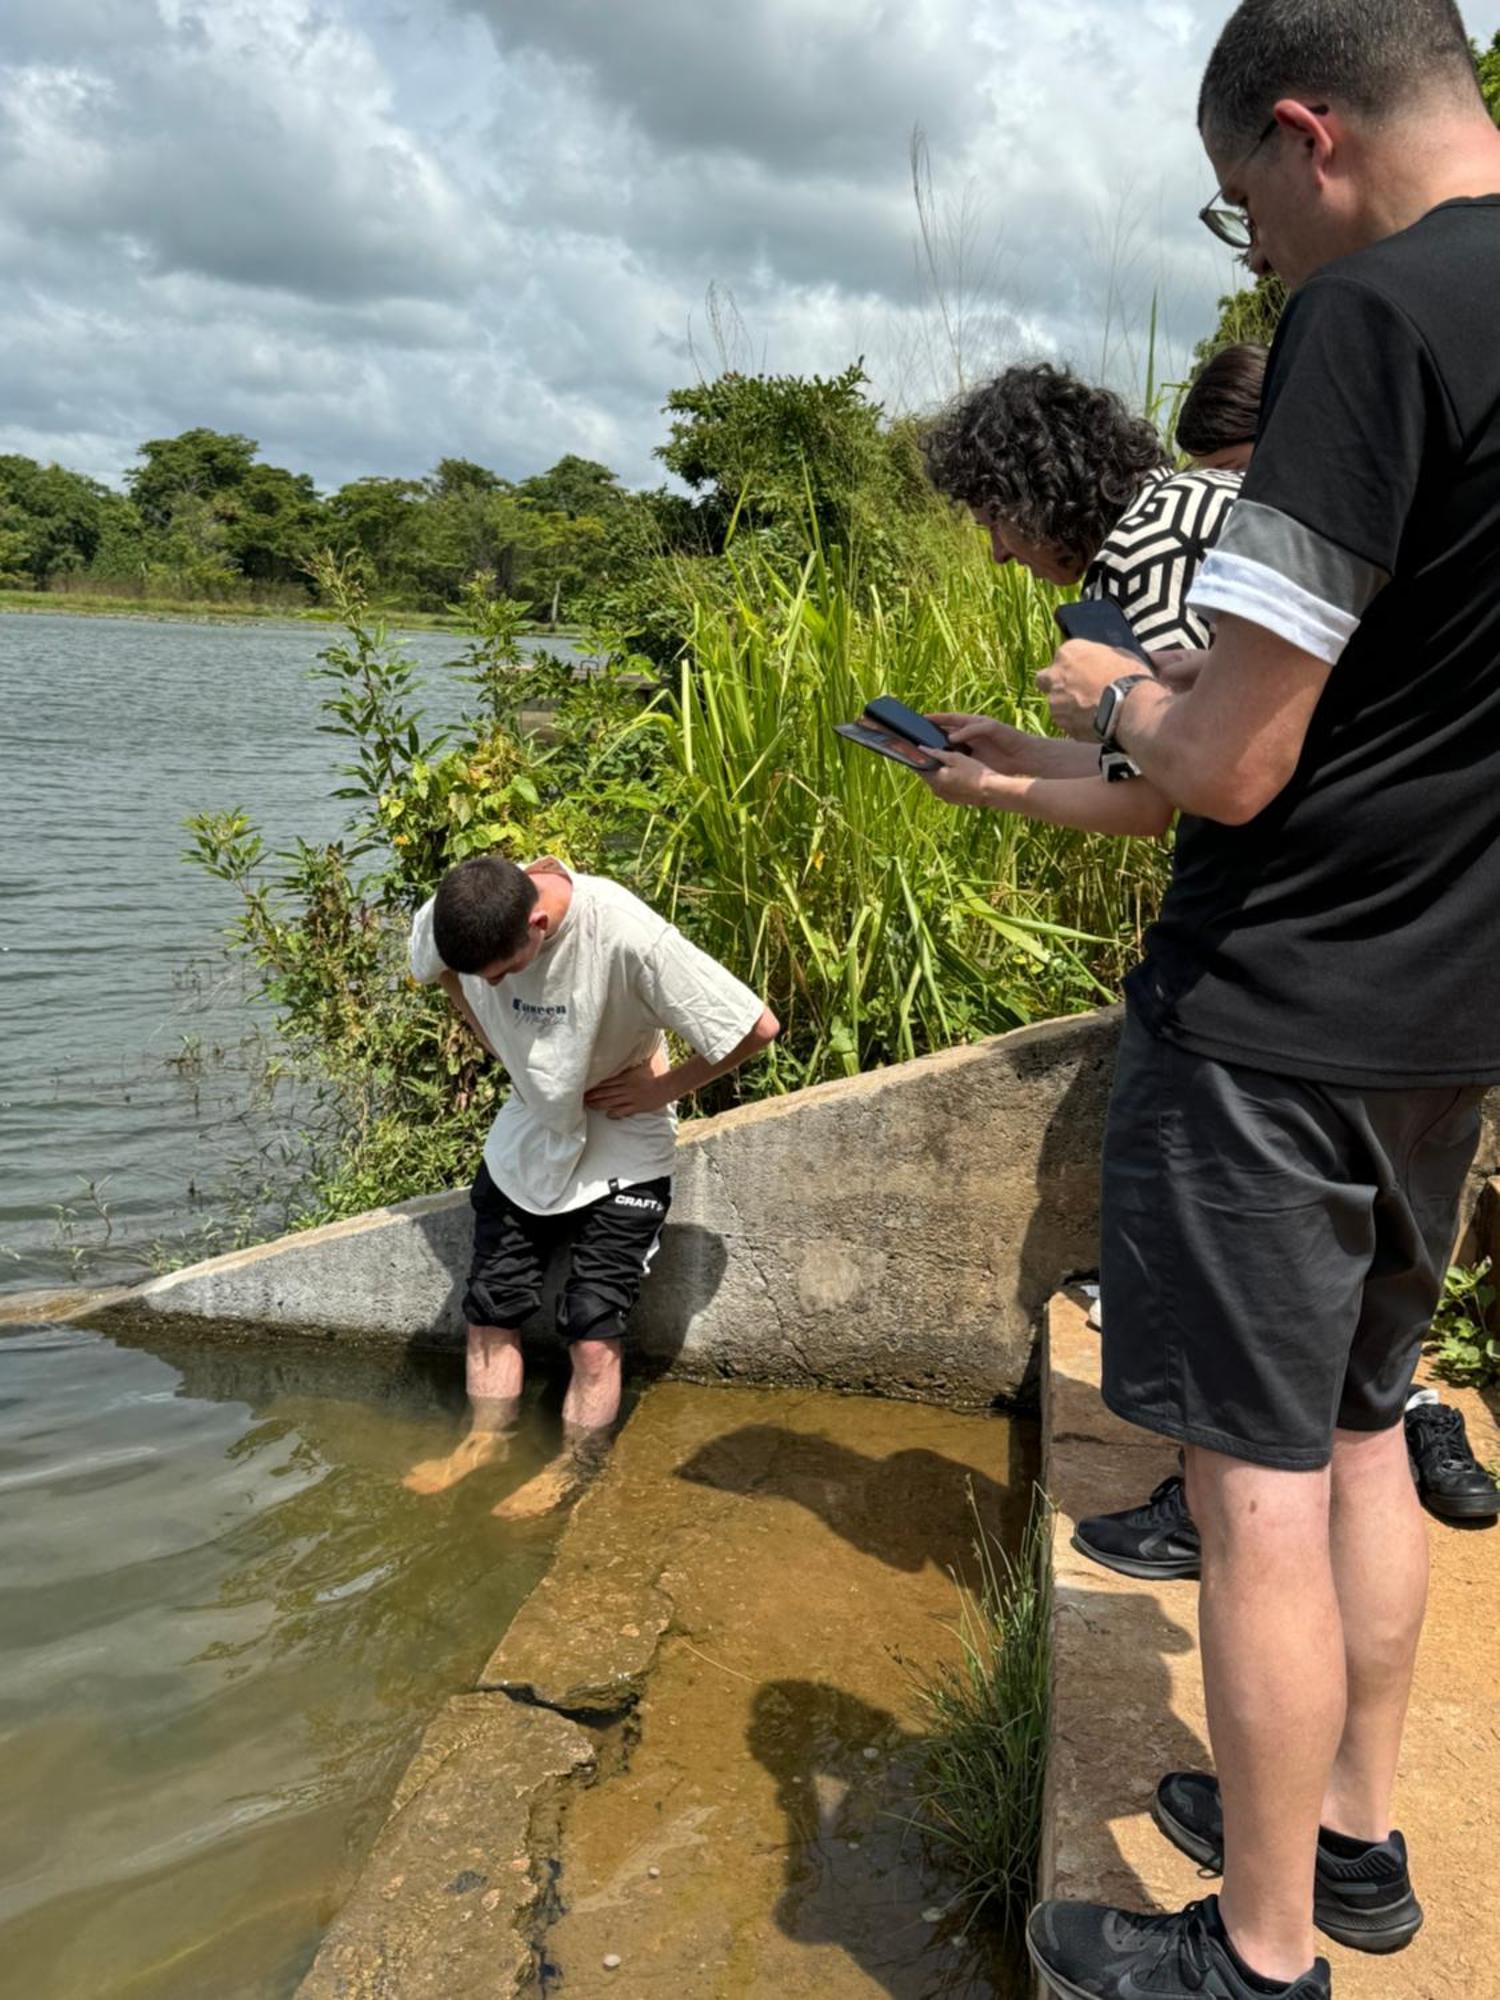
{"points": [[223, 1625], [112, 1136]]}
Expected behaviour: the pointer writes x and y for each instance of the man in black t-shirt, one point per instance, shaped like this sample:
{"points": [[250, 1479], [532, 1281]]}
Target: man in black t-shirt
{"points": [[1308, 1039]]}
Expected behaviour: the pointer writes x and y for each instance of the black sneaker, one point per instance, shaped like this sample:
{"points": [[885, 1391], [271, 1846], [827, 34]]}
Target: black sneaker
{"points": [[1156, 1539], [1362, 1894], [1450, 1479], [1086, 1952]]}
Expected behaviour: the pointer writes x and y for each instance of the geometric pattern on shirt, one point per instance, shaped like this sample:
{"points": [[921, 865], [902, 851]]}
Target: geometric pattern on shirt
{"points": [[1155, 550]]}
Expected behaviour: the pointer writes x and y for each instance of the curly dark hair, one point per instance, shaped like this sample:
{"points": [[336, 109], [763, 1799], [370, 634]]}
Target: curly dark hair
{"points": [[1054, 458]]}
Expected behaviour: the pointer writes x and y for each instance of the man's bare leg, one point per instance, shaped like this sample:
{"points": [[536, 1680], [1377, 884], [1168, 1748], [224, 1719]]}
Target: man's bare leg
{"points": [[1273, 1678], [589, 1411], [494, 1374], [1380, 1573]]}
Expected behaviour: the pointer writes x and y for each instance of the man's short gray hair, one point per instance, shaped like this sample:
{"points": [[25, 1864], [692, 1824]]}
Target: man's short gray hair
{"points": [[1370, 56]]}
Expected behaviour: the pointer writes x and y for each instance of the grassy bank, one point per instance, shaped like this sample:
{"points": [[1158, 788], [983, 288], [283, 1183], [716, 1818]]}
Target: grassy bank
{"points": [[233, 611], [989, 1718]]}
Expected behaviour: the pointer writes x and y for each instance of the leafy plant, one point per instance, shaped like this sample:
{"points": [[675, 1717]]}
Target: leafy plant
{"points": [[988, 1722], [1464, 1351]]}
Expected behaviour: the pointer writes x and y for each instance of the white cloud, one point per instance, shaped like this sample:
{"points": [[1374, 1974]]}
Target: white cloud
{"points": [[371, 236]]}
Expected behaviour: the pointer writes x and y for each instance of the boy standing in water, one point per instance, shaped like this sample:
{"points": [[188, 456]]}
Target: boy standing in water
{"points": [[569, 981]]}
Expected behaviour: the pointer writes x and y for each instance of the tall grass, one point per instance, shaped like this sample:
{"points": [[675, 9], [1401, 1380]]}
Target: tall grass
{"points": [[988, 1719], [879, 922]]}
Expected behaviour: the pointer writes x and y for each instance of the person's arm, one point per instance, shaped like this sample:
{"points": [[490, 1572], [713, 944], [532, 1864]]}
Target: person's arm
{"points": [[1092, 804], [650, 1087], [452, 985], [1225, 747], [1016, 753]]}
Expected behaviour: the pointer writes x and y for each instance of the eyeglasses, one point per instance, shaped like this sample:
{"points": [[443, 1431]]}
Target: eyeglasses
{"points": [[1230, 223]]}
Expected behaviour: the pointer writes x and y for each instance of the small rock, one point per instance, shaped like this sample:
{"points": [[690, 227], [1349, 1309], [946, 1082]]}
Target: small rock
{"points": [[932, 1916], [854, 1847], [870, 1754], [654, 1873], [611, 1961]]}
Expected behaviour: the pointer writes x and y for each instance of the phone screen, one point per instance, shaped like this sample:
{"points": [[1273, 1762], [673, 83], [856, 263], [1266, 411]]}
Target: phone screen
{"points": [[884, 745]]}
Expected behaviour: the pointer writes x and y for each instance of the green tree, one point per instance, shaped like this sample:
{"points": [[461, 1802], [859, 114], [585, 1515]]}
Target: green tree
{"points": [[575, 487], [54, 519], [381, 520], [197, 464], [274, 523], [1487, 68]]}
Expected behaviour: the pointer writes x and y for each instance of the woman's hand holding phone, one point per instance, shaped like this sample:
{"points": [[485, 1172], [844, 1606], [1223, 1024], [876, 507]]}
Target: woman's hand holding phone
{"points": [[997, 745]]}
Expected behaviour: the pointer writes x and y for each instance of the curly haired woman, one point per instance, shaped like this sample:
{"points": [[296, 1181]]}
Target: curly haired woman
{"points": [[1069, 484]]}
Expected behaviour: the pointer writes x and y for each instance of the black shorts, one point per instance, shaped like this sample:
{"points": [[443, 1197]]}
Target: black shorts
{"points": [[1272, 1250], [612, 1242]]}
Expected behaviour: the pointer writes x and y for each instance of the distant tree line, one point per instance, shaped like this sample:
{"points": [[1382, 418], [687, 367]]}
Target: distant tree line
{"points": [[769, 465], [202, 516]]}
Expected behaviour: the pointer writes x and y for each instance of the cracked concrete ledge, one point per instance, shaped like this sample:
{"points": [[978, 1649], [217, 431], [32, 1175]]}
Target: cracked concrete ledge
{"points": [[1128, 1701], [893, 1233], [447, 1905]]}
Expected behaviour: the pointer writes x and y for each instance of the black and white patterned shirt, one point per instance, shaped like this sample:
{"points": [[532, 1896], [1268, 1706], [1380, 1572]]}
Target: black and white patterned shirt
{"points": [[1155, 550]]}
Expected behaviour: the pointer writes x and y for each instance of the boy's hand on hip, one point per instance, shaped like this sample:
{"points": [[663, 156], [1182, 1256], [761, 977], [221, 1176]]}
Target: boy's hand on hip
{"points": [[644, 1086]]}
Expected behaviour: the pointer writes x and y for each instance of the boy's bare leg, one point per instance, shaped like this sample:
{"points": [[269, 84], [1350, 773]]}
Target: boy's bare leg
{"points": [[589, 1411], [494, 1374]]}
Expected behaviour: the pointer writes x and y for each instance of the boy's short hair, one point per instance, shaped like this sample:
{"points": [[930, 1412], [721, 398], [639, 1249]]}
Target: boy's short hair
{"points": [[481, 912]]}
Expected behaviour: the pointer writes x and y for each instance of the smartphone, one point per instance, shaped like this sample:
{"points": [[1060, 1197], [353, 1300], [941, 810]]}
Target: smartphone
{"points": [[885, 712], [1101, 620], [868, 737], [891, 729]]}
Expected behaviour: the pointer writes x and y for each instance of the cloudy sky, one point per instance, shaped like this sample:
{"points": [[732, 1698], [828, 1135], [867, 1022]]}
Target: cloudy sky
{"points": [[371, 233]]}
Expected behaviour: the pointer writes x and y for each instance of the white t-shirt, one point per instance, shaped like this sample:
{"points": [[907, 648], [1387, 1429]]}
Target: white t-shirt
{"points": [[594, 1001]]}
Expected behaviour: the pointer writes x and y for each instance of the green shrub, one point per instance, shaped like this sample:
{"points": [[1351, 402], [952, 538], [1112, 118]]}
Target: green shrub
{"points": [[1463, 1349]]}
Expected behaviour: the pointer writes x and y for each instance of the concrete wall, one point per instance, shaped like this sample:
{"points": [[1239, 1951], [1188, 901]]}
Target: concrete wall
{"points": [[897, 1232]]}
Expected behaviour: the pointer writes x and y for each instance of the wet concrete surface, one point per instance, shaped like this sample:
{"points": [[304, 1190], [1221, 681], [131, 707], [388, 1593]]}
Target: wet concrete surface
{"points": [[761, 1577]]}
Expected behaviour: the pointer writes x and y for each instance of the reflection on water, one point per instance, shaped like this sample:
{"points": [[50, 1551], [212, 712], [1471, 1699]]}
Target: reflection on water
{"points": [[223, 1623]]}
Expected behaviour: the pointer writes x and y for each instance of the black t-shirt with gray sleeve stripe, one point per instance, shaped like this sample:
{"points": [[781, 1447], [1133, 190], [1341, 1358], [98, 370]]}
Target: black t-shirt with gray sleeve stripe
{"points": [[1351, 932]]}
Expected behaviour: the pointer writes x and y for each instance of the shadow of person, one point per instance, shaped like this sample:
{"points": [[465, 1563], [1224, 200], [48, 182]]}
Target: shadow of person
{"points": [[1116, 1732], [855, 1872], [907, 1509]]}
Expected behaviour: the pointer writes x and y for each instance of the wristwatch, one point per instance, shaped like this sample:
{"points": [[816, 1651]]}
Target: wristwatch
{"points": [[1113, 761]]}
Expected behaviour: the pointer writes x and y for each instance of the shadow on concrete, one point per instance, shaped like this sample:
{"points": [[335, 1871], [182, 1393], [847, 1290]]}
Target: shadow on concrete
{"points": [[1115, 1736], [908, 1509], [855, 1874], [1062, 1226]]}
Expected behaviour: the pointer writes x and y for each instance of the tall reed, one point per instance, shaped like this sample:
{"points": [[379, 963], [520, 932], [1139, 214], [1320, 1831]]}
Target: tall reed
{"points": [[880, 922]]}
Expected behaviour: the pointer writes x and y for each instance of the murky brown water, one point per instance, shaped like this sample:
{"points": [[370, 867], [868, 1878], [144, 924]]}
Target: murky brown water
{"points": [[223, 1624], [759, 1841]]}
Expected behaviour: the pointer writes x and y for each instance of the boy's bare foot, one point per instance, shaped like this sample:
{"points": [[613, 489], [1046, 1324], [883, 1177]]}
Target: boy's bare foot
{"points": [[559, 1482], [436, 1475]]}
